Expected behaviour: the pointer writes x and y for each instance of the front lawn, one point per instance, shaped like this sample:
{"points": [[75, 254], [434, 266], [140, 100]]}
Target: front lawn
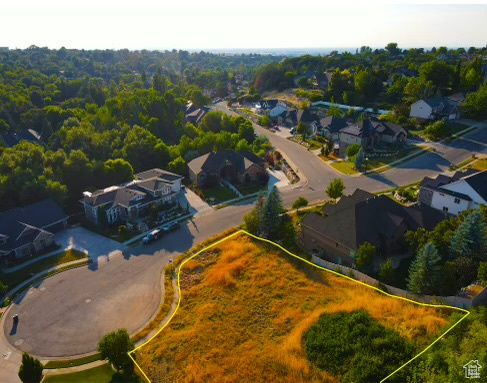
{"points": [[378, 162], [345, 167], [453, 128], [17, 277], [480, 164], [219, 193], [72, 362], [100, 374], [251, 188]]}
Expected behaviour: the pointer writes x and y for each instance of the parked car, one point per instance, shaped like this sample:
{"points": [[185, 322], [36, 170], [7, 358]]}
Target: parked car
{"points": [[292, 130], [171, 226], [152, 236]]}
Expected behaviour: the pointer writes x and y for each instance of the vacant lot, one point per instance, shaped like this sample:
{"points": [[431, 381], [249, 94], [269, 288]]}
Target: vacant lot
{"points": [[246, 309]]}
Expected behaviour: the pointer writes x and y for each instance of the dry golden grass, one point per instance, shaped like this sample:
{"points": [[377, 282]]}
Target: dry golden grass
{"points": [[245, 306]]}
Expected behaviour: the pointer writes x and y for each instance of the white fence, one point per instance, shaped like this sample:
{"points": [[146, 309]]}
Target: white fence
{"points": [[348, 107]]}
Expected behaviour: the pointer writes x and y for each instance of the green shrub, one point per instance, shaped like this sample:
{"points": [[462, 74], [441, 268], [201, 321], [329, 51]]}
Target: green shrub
{"points": [[355, 347], [352, 150]]}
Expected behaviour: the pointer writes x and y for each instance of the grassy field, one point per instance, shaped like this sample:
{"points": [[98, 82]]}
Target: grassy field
{"points": [[17, 277], [245, 307], [251, 188]]}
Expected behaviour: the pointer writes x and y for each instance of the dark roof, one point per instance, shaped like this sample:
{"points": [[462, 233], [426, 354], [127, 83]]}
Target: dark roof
{"points": [[368, 127], [441, 105], [196, 115], [363, 128], [158, 173], [478, 182], [214, 161], [269, 104], [365, 217], [442, 179], [333, 124], [23, 224], [305, 116]]}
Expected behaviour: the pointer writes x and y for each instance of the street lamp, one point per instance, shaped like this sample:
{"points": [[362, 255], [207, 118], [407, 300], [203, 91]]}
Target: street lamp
{"points": [[366, 162]]}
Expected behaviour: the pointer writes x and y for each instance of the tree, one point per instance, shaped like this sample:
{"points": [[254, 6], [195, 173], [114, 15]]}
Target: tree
{"points": [[334, 111], [264, 120], [198, 99], [365, 255], [386, 271], [302, 129], [360, 160], [482, 272], [469, 238], [3, 289], [436, 130], [271, 214], [178, 166], [475, 106], [393, 49], [352, 150], [118, 171], [438, 72], [300, 202], [424, 272], [252, 220], [30, 370], [115, 347], [335, 189]]}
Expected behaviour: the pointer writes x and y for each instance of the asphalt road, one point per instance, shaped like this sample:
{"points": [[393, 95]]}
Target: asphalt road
{"points": [[68, 314]]}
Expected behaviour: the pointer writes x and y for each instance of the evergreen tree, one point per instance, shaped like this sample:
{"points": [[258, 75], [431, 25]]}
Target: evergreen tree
{"points": [[271, 214], [360, 160], [252, 220], [31, 369], [425, 270], [469, 238]]}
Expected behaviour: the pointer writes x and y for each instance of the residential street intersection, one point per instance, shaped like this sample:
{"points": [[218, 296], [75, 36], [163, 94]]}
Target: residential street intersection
{"points": [[67, 314]]}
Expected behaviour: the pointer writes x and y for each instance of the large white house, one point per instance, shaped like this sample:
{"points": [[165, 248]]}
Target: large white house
{"points": [[434, 109], [462, 191], [272, 108], [122, 203]]}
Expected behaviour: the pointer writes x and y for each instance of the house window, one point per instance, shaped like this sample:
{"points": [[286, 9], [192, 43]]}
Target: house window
{"points": [[457, 200], [445, 209]]}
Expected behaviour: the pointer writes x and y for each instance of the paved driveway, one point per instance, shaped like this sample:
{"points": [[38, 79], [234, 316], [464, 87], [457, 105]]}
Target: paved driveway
{"points": [[97, 246]]}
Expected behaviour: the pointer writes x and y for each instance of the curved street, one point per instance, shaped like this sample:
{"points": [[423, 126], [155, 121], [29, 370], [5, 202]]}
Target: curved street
{"points": [[67, 314]]}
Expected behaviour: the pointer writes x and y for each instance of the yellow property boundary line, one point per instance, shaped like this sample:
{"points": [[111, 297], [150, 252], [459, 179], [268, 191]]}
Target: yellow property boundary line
{"points": [[312, 264]]}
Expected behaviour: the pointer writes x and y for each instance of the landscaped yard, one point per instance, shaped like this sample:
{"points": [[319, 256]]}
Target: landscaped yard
{"points": [[251, 188], [480, 164], [345, 167], [101, 374], [72, 362], [454, 127], [250, 311], [17, 277], [219, 193]]}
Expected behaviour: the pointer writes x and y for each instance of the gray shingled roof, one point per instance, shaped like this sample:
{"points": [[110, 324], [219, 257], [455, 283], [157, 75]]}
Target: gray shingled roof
{"points": [[159, 173], [365, 217], [38, 215], [214, 161]]}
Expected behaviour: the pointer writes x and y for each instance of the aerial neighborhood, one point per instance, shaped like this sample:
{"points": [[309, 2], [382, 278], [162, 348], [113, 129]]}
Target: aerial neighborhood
{"points": [[205, 216]]}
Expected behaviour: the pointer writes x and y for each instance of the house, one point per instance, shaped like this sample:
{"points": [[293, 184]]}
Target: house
{"points": [[370, 132], [195, 114], [27, 230], [472, 369], [363, 217], [434, 109], [239, 167], [12, 138], [309, 119], [462, 191], [330, 127], [271, 108], [132, 200]]}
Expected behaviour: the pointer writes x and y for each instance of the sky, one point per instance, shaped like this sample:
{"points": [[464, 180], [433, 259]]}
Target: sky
{"points": [[241, 24]]}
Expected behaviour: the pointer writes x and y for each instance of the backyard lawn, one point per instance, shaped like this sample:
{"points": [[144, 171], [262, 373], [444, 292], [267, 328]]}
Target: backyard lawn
{"points": [[101, 374], [17, 277]]}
